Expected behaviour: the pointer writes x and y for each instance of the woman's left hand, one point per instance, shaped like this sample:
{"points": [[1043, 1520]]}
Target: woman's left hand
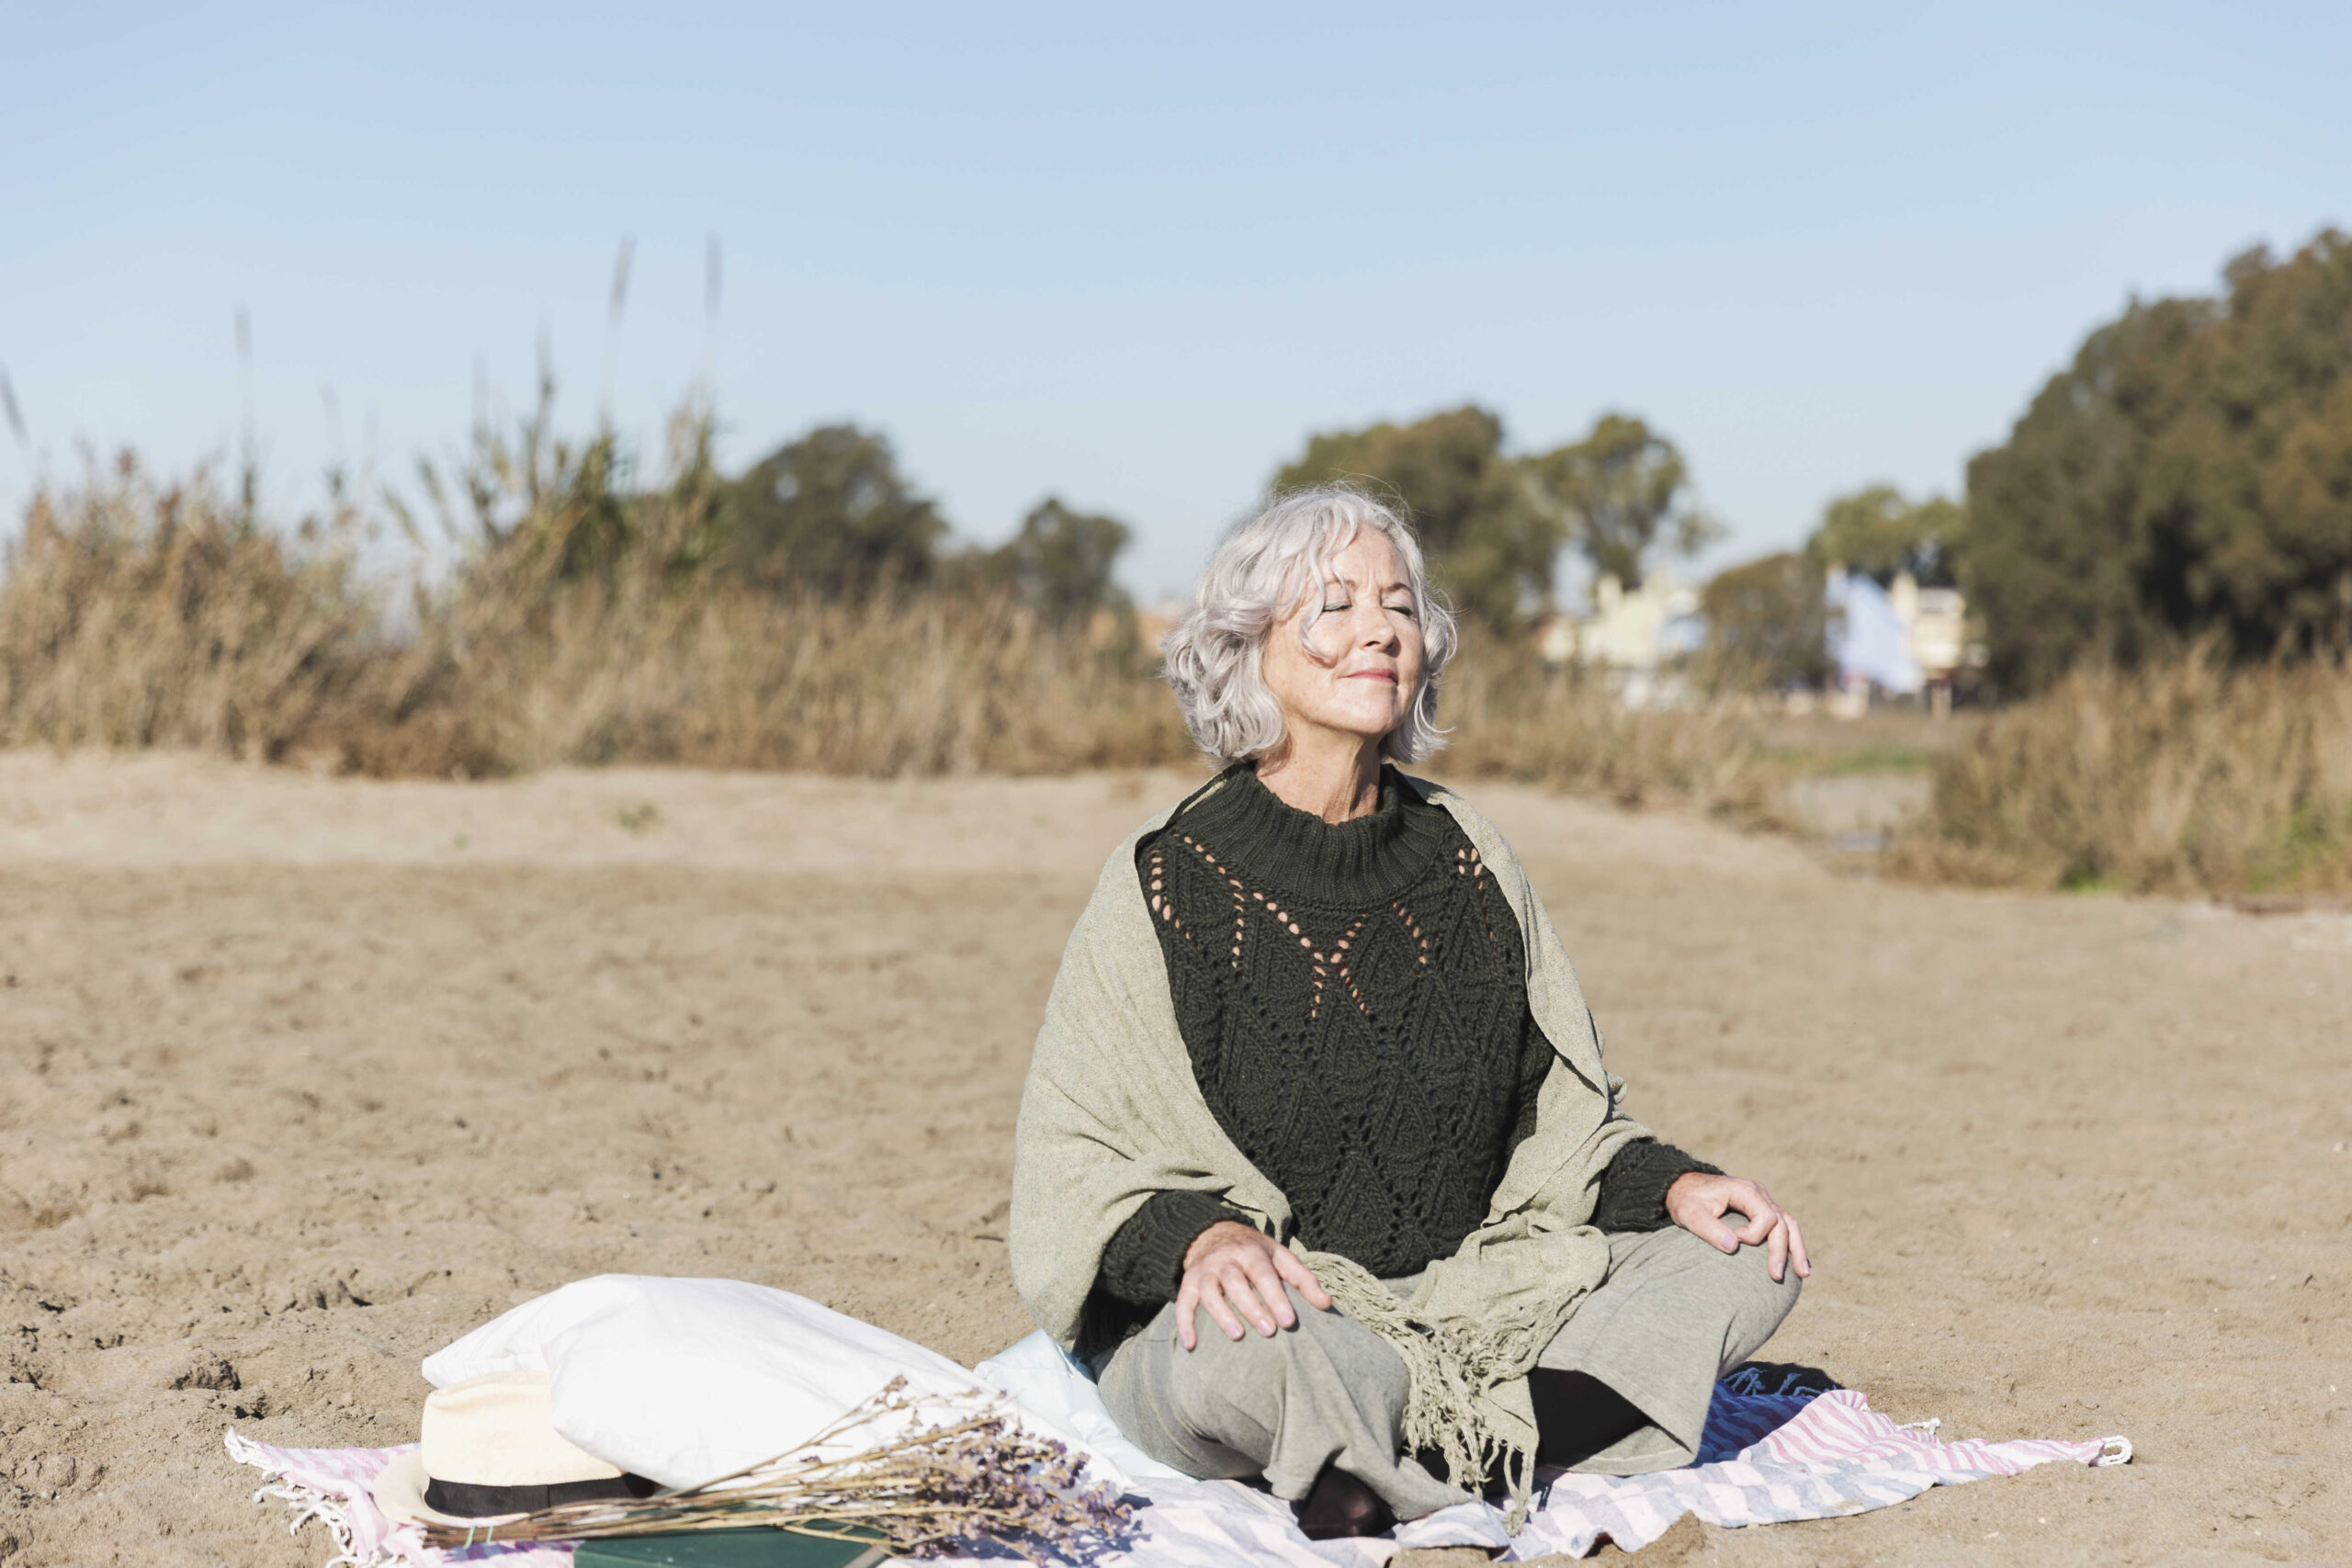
{"points": [[1698, 1202]]}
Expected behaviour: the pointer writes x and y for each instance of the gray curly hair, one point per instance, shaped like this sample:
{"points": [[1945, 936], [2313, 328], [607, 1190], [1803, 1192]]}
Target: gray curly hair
{"points": [[1263, 570]]}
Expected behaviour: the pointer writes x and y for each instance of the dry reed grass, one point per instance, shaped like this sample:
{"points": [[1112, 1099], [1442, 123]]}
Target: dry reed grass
{"points": [[727, 677], [136, 614], [2183, 776], [585, 628], [579, 629], [591, 629], [1515, 718]]}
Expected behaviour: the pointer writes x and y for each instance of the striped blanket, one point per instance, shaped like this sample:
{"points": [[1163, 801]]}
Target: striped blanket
{"points": [[1775, 1449]]}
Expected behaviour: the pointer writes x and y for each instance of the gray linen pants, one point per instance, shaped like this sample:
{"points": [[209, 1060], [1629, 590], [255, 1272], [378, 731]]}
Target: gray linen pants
{"points": [[1672, 1315]]}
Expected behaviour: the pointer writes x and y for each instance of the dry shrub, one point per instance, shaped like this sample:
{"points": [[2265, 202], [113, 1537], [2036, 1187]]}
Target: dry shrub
{"points": [[134, 615], [591, 627], [1515, 718], [584, 627], [948, 683], [2184, 776], [733, 678]]}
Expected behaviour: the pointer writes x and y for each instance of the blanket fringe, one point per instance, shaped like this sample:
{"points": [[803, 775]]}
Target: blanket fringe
{"points": [[307, 1502]]}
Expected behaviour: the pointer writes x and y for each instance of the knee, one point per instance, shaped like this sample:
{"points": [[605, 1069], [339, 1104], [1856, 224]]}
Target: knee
{"points": [[1326, 1338], [1759, 1302], [1741, 1280]]}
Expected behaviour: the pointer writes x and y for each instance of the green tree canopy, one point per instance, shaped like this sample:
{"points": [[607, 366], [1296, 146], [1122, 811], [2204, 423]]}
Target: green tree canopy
{"points": [[1491, 547], [1767, 623], [831, 513], [2190, 473], [1061, 561], [1494, 525], [1620, 493], [1877, 533]]}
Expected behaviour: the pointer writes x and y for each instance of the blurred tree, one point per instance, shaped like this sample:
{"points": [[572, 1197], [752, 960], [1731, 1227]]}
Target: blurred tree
{"points": [[1877, 533], [2190, 473], [1619, 492], [830, 513], [1060, 562], [1490, 546], [1766, 625]]}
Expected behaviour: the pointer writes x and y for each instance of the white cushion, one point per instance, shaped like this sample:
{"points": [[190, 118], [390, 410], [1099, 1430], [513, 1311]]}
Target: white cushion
{"points": [[684, 1381]]}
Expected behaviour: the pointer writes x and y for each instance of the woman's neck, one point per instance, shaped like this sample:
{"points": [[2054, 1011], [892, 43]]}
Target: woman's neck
{"points": [[1338, 782]]}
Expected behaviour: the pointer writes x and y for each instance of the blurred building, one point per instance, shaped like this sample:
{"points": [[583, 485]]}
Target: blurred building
{"points": [[1869, 645], [1629, 629], [1902, 639], [1898, 640], [1935, 624], [1637, 635]]}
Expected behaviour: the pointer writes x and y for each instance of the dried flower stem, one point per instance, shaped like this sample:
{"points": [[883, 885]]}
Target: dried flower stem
{"points": [[978, 1478]]}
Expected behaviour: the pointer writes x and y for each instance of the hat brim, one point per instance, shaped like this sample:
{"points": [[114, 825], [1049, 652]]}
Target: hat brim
{"points": [[399, 1494]]}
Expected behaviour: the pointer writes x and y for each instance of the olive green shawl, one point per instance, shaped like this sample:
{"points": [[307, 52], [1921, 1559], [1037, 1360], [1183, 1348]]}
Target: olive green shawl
{"points": [[1112, 1113]]}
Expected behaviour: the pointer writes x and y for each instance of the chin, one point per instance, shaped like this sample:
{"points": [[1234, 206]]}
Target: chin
{"points": [[1369, 726]]}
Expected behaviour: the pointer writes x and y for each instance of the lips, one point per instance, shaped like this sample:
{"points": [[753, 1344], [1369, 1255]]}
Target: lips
{"points": [[1387, 675]]}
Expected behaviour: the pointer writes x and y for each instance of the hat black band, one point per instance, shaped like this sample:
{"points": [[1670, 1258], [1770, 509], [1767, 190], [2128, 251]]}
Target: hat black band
{"points": [[465, 1500]]}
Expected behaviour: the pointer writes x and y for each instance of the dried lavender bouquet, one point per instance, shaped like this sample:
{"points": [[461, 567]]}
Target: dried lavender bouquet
{"points": [[921, 1489]]}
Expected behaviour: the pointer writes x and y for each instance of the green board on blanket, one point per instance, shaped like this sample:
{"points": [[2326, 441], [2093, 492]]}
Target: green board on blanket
{"points": [[758, 1547]]}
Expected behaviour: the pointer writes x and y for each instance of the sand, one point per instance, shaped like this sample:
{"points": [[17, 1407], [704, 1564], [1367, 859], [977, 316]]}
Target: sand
{"points": [[301, 1078]]}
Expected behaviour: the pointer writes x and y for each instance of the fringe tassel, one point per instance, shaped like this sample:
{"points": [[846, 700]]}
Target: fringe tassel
{"points": [[308, 1504], [1454, 1374]]}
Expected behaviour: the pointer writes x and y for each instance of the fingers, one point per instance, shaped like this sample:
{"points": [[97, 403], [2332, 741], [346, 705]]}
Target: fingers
{"points": [[1213, 1299], [1240, 1287], [1235, 1288], [1761, 1211], [1700, 1207], [1711, 1230], [1726, 1235], [1702, 1217], [1697, 1202], [1293, 1268], [1262, 1297]]}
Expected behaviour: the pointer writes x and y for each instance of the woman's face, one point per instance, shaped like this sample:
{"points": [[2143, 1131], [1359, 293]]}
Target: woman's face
{"points": [[1366, 668]]}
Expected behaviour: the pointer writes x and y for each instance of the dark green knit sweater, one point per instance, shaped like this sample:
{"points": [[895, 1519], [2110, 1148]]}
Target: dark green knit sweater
{"points": [[1354, 998]]}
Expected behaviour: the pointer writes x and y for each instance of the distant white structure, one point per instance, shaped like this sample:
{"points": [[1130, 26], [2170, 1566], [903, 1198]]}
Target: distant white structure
{"points": [[1935, 626], [1902, 639], [1633, 634], [1629, 630], [1868, 641]]}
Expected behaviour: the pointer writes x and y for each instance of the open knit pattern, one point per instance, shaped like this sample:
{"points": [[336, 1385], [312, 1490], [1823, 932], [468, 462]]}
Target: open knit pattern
{"points": [[1353, 999]]}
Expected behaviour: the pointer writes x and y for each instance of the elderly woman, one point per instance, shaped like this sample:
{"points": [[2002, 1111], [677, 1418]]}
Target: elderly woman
{"points": [[1319, 1168]]}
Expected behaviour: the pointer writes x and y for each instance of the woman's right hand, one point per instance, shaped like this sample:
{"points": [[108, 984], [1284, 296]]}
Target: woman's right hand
{"points": [[1237, 1272]]}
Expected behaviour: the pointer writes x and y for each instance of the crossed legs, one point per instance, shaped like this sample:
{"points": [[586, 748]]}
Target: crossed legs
{"points": [[1622, 1390]]}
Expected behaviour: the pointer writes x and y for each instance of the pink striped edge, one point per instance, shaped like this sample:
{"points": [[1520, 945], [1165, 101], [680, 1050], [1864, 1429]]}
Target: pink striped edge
{"points": [[1839, 1427]]}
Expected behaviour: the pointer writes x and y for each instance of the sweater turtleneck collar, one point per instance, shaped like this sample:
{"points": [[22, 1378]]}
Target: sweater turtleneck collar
{"points": [[1367, 860]]}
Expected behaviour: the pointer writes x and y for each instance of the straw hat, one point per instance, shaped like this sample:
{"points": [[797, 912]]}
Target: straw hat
{"points": [[489, 1450]]}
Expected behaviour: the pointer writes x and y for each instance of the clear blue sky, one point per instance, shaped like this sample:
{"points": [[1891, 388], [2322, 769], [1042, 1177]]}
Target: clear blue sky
{"points": [[1136, 261]]}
